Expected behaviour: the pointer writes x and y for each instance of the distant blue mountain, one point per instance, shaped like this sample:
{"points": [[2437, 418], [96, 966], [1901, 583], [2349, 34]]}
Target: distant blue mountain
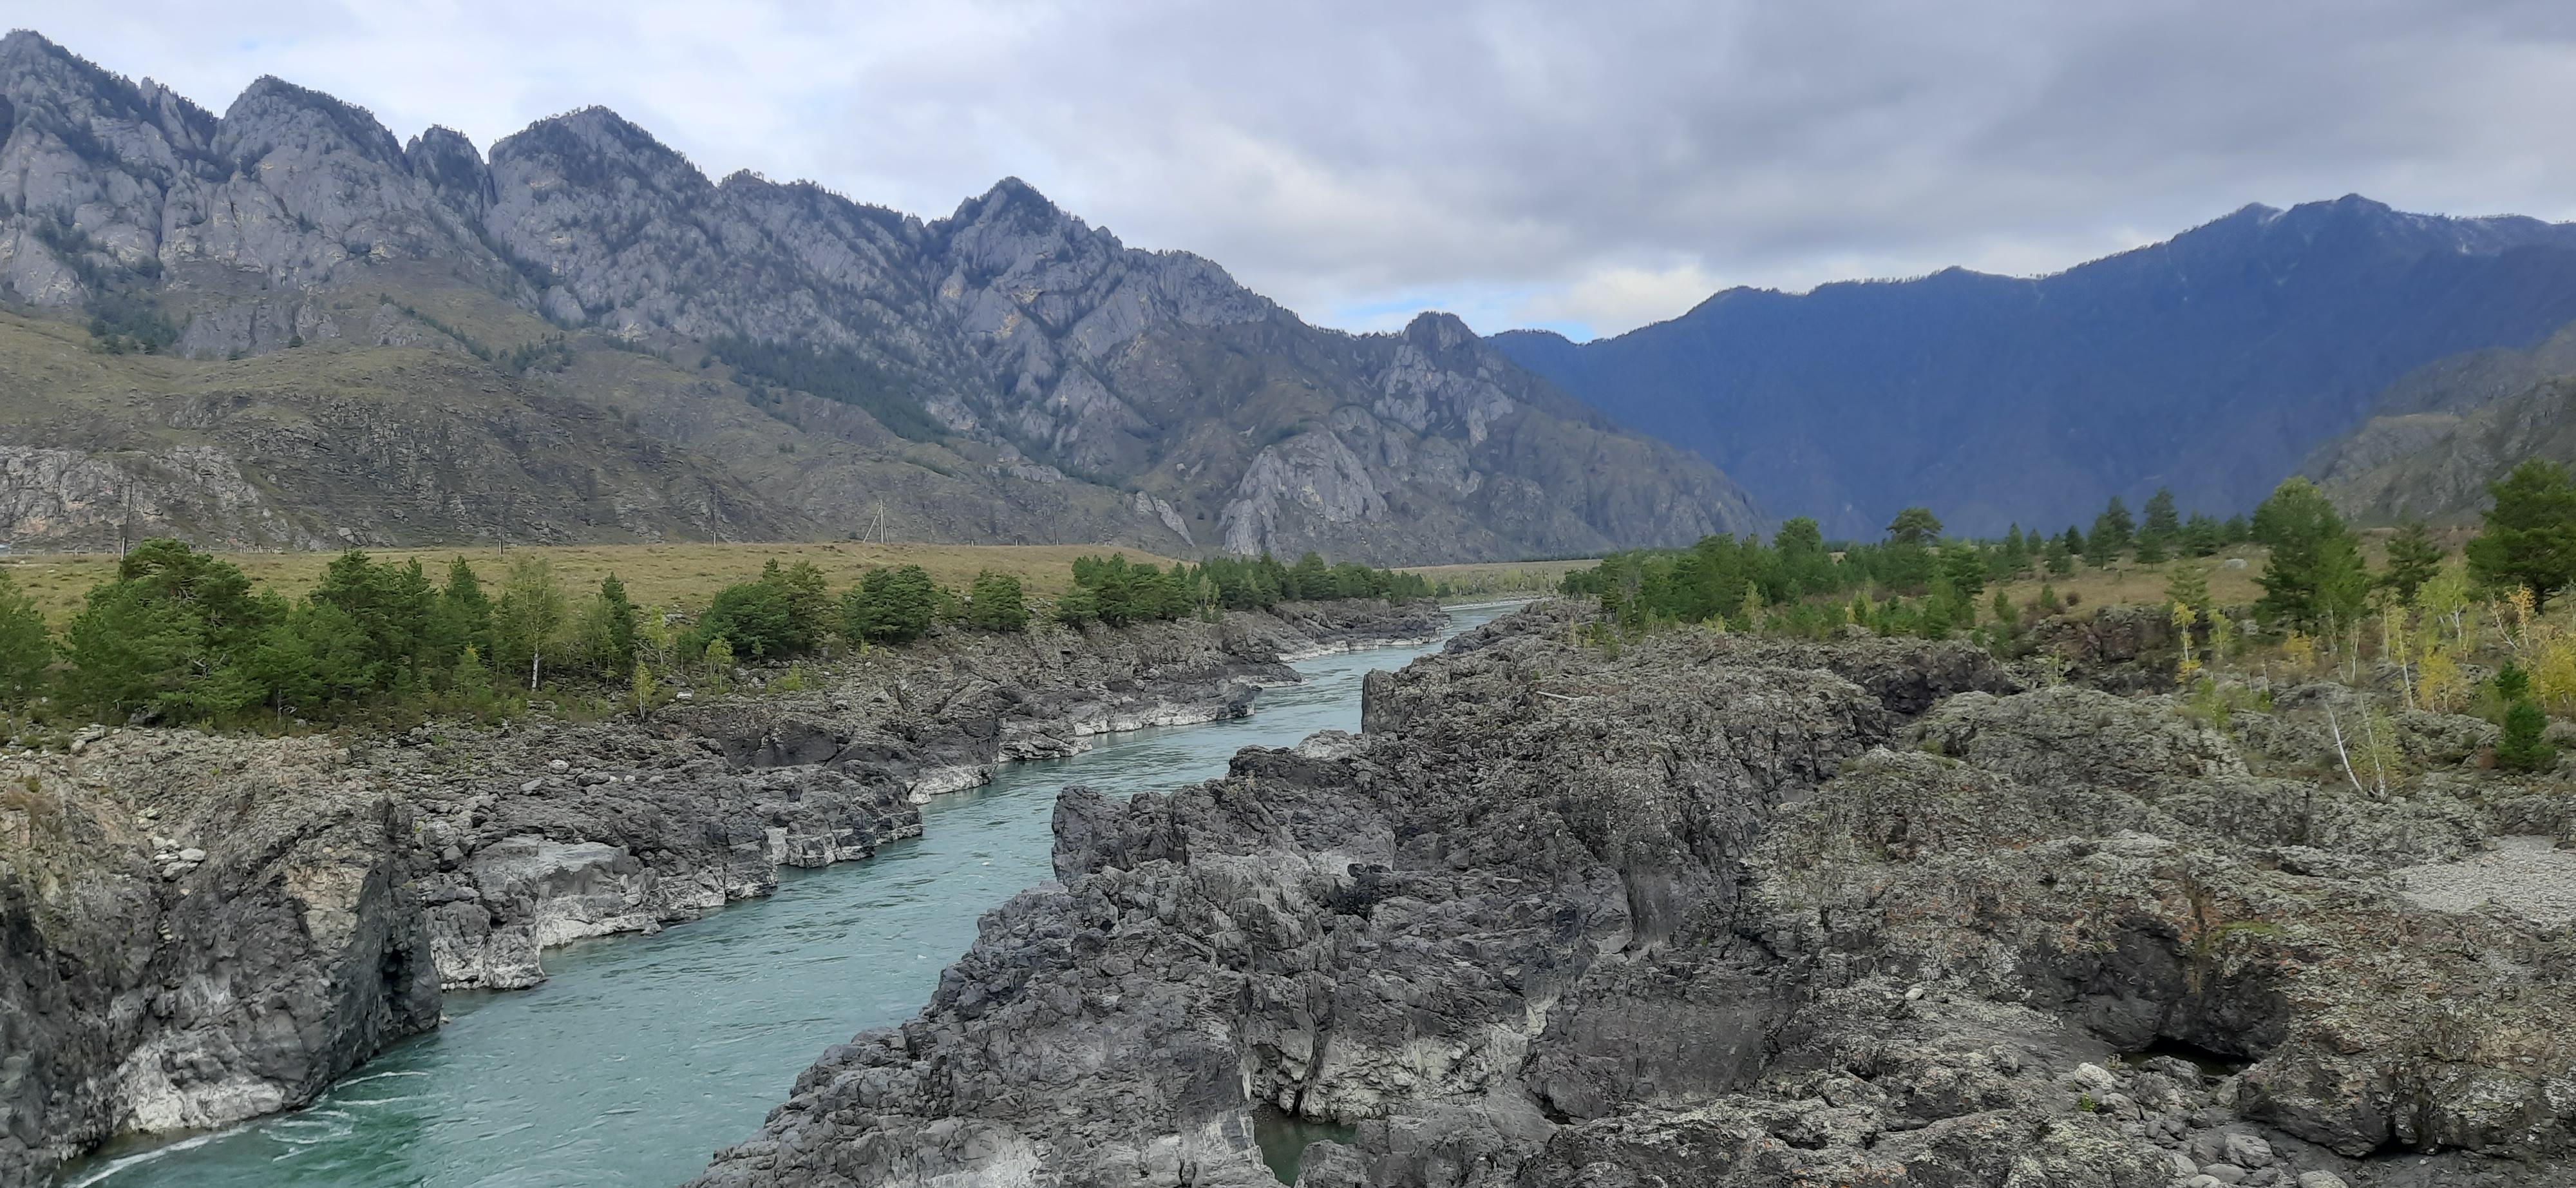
{"points": [[2212, 363]]}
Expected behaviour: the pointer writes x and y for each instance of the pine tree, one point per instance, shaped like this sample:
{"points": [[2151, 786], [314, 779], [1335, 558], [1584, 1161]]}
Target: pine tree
{"points": [[2529, 538], [2202, 536], [2523, 747], [2315, 577], [2161, 525], [2112, 532], [26, 648], [2189, 586], [1915, 526], [892, 605], [465, 612], [996, 603], [616, 626], [1076, 607], [2413, 559], [151, 638]]}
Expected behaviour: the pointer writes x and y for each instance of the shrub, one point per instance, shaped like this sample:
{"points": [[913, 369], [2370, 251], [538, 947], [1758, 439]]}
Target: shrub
{"points": [[2522, 747]]}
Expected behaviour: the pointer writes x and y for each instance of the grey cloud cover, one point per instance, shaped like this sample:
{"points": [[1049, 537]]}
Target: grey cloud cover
{"points": [[1588, 166]]}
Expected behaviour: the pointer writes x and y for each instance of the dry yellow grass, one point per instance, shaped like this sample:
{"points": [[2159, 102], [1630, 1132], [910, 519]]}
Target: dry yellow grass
{"points": [[2132, 584], [655, 575]]}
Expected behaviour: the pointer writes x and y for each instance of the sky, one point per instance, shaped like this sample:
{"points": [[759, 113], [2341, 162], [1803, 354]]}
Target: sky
{"points": [[1583, 167]]}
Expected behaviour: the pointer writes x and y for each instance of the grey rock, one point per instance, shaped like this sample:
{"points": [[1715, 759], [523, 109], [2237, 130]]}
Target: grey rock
{"points": [[1196, 412], [343, 888], [1716, 911], [2248, 1151]]}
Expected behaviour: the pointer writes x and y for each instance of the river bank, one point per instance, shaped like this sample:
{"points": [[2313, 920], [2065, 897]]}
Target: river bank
{"points": [[1709, 911], [200, 930]]}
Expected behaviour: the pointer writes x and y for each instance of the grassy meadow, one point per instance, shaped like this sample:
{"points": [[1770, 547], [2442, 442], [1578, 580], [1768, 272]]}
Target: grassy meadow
{"points": [[658, 575]]}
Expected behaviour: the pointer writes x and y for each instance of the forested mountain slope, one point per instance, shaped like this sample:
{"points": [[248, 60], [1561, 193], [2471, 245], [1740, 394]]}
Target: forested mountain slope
{"points": [[2212, 363]]}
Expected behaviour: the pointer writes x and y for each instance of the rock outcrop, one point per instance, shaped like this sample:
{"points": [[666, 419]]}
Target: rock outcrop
{"points": [[196, 930], [1007, 373], [1719, 911]]}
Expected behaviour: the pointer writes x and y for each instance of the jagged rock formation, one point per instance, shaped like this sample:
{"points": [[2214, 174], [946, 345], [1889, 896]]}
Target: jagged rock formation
{"points": [[195, 930], [1005, 373], [1732, 913], [2211, 363]]}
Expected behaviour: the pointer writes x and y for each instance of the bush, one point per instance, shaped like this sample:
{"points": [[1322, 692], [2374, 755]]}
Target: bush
{"points": [[896, 605], [2522, 748], [782, 615], [996, 603]]}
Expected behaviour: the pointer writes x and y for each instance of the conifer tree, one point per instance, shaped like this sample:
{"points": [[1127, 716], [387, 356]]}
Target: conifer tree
{"points": [[26, 648], [2162, 524], [2112, 533], [2413, 559], [2529, 538], [615, 618], [2315, 576]]}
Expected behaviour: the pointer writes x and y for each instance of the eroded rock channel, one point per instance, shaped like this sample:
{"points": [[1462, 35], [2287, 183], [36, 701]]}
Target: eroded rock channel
{"points": [[1723, 912], [199, 930]]}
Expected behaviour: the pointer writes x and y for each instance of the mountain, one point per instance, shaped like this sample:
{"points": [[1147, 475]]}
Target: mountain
{"points": [[2212, 363], [282, 326], [2437, 436]]}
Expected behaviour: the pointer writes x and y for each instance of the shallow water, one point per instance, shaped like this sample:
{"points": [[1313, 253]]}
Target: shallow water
{"points": [[639, 1056]]}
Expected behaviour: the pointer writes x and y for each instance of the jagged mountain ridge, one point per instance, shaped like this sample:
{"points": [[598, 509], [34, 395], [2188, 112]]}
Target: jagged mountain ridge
{"points": [[1080, 389], [2213, 362]]}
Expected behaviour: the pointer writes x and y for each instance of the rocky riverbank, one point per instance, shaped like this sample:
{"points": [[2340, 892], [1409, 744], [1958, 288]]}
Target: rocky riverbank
{"points": [[196, 930], [1725, 912]]}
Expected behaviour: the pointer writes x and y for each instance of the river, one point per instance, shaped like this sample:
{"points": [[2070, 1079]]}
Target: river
{"points": [[639, 1056]]}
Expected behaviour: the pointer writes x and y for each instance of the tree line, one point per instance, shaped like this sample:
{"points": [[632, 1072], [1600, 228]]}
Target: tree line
{"points": [[180, 635], [2315, 581]]}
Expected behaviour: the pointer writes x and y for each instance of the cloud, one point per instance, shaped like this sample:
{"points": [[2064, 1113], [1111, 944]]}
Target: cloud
{"points": [[1588, 166]]}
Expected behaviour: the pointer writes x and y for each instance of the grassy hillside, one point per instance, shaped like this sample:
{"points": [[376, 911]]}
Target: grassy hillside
{"points": [[418, 413]]}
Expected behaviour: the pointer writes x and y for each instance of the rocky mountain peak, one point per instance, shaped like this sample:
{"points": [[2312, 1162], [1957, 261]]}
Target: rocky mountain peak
{"points": [[1435, 332], [454, 169], [272, 112], [589, 145], [1070, 387]]}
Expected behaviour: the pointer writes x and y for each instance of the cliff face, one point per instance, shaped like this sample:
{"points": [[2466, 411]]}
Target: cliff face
{"points": [[772, 336], [193, 931], [196, 930], [1727, 912]]}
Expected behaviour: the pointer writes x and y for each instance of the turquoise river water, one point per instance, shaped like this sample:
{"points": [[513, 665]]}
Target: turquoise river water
{"points": [[639, 1056]]}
